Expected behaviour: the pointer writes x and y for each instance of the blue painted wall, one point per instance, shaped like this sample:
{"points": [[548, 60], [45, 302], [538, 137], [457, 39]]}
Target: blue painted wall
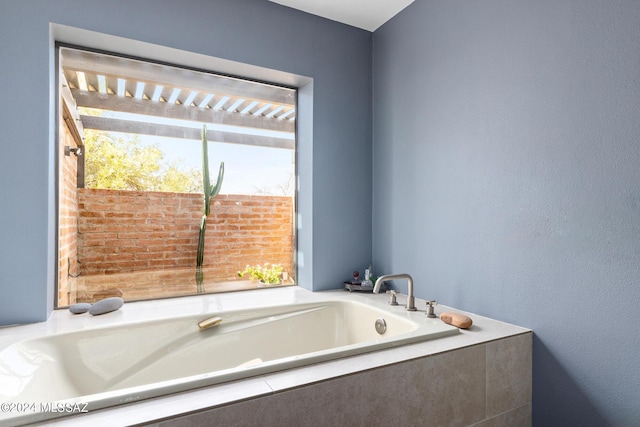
{"points": [[257, 32], [506, 162], [507, 181]]}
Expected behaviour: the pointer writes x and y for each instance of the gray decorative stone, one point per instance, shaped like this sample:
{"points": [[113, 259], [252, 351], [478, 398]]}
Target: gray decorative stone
{"points": [[106, 305], [79, 308]]}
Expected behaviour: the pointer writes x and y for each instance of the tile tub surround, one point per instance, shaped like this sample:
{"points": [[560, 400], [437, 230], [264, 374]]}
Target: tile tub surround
{"points": [[481, 376], [456, 388]]}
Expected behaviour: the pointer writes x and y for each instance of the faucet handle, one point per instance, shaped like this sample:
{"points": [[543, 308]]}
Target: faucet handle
{"points": [[430, 305], [392, 298]]}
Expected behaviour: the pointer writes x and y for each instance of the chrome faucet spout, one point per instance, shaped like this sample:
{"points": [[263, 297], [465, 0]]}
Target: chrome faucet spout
{"points": [[411, 301]]}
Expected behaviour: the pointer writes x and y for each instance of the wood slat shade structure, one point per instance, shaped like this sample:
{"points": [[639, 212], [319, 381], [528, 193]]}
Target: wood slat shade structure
{"points": [[124, 85], [127, 126]]}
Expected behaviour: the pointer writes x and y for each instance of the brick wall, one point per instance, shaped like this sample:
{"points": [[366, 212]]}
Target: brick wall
{"points": [[68, 216], [126, 231]]}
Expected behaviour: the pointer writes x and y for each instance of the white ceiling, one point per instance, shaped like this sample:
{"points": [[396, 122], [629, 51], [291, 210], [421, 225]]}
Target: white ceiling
{"points": [[365, 14]]}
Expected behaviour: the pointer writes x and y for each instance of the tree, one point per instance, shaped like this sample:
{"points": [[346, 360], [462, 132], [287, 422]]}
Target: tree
{"points": [[285, 188], [127, 164]]}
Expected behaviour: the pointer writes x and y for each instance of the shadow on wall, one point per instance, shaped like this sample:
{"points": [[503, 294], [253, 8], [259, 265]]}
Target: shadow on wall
{"points": [[557, 399]]}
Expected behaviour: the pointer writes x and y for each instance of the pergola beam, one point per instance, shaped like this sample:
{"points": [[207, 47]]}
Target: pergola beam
{"points": [[142, 128], [174, 111]]}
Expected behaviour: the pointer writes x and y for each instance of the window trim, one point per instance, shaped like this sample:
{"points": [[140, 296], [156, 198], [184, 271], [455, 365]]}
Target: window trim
{"points": [[304, 132]]}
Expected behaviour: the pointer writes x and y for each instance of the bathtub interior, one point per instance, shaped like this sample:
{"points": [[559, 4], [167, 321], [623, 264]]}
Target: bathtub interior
{"points": [[118, 364]]}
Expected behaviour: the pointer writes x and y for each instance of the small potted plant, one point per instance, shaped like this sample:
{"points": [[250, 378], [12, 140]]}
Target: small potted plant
{"points": [[267, 274]]}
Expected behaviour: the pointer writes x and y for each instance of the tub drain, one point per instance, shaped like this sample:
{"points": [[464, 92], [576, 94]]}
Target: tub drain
{"points": [[381, 326]]}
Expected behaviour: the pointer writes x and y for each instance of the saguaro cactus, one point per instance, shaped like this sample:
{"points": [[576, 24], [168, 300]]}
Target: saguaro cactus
{"points": [[209, 193]]}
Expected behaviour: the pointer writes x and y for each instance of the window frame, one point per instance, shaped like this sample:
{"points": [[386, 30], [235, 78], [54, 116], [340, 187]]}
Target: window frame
{"points": [[59, 117]]}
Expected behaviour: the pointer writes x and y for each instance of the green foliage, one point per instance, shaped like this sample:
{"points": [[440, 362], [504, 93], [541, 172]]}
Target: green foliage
{"points": [[179, 179], [267, 273], [127, 164]]}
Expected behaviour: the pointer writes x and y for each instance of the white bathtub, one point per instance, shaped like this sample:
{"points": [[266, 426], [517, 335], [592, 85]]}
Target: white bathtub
{"points": [[96, 367]]}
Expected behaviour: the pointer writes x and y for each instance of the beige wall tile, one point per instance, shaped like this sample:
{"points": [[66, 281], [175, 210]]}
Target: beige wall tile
{"points": [[519, 417], [508, 374], [443, 390]]}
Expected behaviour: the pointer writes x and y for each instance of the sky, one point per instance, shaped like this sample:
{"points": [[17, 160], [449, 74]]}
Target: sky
{"points": [[247, 169]]}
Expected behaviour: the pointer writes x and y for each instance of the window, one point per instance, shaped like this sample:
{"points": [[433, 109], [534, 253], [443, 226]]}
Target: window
{"points": [[131, 191]]}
